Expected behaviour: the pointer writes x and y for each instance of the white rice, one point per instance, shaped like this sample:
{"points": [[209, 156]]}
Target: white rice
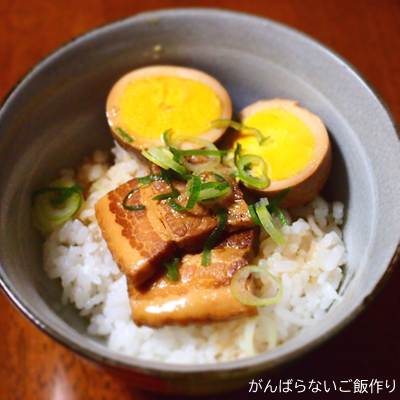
{"points": [[309, 265]]}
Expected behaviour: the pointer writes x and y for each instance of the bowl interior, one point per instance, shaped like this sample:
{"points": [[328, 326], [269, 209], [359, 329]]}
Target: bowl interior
{"points": [[56, 116]]}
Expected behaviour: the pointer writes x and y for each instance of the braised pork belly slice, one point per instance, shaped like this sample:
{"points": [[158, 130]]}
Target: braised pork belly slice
{"points": [[141, 240], [138, 240], [202, 293]]}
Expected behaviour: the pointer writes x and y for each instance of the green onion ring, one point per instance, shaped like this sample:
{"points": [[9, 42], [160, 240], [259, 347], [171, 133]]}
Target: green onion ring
{"points": [[203, 152], [274, 204], [142, 181], [253, 214], [213, 190], [49, 211], [167, 139], [211, 164], [173, 194], [275, 210], [249, 180], [244, 296], [228, 123], [63, 193], [145, 180], [267, 222], [211, 241], [162, 157], [236, 154], [211, 149], [130, 207]]}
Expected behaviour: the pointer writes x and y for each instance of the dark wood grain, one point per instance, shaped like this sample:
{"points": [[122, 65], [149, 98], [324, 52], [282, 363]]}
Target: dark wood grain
{"points": [[366, 32]]}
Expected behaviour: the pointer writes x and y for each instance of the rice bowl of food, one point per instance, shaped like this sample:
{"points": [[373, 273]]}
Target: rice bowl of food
{"points": [[186, 214]]}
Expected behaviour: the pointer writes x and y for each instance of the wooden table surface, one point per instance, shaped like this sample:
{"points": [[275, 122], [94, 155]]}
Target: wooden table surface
{"points": [[366, 32]]}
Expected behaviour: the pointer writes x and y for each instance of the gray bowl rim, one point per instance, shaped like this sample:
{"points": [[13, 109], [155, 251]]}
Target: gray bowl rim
{"points": [[164, 368]]}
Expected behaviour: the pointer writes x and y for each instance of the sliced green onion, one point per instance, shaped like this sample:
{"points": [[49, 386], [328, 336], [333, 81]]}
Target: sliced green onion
{"points": [[193, 192], [166, 137], [125, 135], [136, 207], [244, 164], [172, 269], [56, 204], [60, 194], [213, 190], [267, 223], [132, 207], [239, 287], [210, 165], [275, 210], [219, 177], [211, 149], [231, 159], [228, 159], [145, 180], [162, 157], [236, 154], [203, 152], [253, 214], [179, 154], [211, 241], [142, 181], [228, 123], [274, 204], [173, 194]]}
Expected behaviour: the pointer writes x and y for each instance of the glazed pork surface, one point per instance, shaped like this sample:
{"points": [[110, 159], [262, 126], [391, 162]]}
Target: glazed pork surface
{"points": [[202, 293]]}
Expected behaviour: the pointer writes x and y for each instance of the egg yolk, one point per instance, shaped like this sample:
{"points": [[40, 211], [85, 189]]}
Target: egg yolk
{"points": [[290, 143], [150, 106]]}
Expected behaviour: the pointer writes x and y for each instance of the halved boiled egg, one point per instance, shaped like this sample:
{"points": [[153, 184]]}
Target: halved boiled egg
{"points": [[297, 150], [147, 101]]}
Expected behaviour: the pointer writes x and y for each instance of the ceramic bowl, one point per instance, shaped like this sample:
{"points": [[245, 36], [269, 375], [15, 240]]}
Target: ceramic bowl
{"points": [[56, 115]]}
